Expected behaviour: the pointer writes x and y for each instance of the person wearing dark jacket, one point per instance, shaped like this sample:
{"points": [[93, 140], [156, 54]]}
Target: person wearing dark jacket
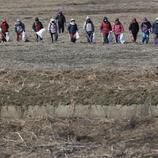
{"points": [[37, 26], [61, 21], [72, 28], [145, 28], [105, 28], [134, 29], [19, 29], [4, 29], [155, 31], [88, 28]]}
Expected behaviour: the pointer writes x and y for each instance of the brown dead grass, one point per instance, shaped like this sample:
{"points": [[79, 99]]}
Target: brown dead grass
{"points": [[78, 87]]}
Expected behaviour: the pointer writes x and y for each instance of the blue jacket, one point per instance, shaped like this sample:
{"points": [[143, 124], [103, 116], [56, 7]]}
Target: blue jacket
{"points": [[19, 27], [155, 27], [72, 28], [145, 27]]}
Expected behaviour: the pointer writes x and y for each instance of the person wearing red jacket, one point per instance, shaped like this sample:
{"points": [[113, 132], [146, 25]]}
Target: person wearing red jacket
{"points": [[117, 28], [37, 26], [105, 28], [4, 29]]}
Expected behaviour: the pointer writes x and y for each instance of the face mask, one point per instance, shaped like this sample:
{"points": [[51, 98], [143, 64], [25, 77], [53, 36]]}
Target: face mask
{"points": [[72, 23]]}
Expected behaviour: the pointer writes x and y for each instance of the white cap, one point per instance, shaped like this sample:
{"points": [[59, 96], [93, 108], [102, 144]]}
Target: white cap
{"points": [[72, 20], [52, 19], [157, 18], [87, 17], [18, 20]]}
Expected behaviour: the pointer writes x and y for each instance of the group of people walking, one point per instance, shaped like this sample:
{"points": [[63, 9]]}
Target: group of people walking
{"points": [[57, 25]]}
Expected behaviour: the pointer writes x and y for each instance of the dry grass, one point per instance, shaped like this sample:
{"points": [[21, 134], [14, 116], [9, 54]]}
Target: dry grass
{"points": [[75, 137], [78, 87]]}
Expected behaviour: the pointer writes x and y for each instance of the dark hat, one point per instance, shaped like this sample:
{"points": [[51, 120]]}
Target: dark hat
{"points": [[145, 19], [36, 19], [105, 18], [60, 12]]}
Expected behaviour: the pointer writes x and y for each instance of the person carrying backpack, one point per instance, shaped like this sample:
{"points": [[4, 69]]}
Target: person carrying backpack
{"points": [[105, 29], [37, 26], [145, 28], [88, 28], [134, 29], [61, 21], [73, 29], [4, 29], [53, 30], [155, 31], [117, 28], [19, 29]]}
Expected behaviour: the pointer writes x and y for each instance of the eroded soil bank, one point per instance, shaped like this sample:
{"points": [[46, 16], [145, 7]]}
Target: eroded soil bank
{"points": [[78, 93]]}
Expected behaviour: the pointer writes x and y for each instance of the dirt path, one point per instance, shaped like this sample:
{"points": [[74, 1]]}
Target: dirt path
{"points": [[63, 56]]}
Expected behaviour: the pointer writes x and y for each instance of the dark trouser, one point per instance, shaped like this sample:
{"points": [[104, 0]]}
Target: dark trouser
{"points": [[105, 38], [89, 36], [117, 38], [61, 28], [4, 37], [145, 37], [18, 36], [73, 37], [134, 34], [54, 36], [38, 38]]}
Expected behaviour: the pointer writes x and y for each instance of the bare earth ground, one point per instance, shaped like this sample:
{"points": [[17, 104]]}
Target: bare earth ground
{"points": [[76, 137], [64, 74]]}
